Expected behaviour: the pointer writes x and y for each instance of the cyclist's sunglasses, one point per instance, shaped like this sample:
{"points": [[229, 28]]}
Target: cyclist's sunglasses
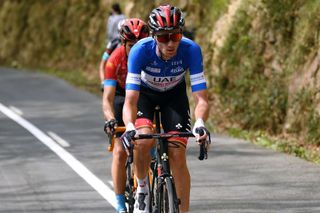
{"points": [[165, 38]]}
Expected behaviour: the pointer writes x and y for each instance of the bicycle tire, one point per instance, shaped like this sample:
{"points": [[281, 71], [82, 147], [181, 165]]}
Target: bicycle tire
{"points": [[153, 188], [129, 191], [168, 199]]}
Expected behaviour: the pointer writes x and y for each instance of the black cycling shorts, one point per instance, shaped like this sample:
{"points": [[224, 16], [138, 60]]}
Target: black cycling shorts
{"points": [[118, 106], [174, 107]]}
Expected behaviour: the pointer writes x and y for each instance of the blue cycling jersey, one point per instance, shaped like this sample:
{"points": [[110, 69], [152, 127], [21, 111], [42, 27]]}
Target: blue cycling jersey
{"points": [[147, 69]]}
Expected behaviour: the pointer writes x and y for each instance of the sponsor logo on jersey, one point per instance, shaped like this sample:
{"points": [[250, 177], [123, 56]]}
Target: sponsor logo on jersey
{"points": [[153, 69], [110, 65], [178, 126], [175, 63], [161, 83], [154, 63], [177, 69], [164, 79]]}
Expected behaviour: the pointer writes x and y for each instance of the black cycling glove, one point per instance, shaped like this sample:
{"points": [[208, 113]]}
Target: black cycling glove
{"points": [[202, 130], [109, 126], [102, 87], [126, 140]]}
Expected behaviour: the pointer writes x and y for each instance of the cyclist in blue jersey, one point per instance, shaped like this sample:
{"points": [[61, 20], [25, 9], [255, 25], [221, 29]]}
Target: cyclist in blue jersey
{"points": [[157, 67]]}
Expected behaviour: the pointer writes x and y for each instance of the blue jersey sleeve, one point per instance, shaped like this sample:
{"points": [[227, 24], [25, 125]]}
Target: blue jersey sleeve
{"points": [[105, 56], [135, 64], [197, 78], [110, 82]]}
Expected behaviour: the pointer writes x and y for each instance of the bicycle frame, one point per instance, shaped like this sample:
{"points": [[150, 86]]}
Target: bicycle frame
{"points": [[163, 197], [161, 171], [162, 146]]}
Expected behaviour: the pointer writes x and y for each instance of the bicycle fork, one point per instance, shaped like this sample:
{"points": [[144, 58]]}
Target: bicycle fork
{"points": [[163, 176]]}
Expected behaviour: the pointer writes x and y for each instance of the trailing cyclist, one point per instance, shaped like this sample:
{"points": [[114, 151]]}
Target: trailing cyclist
{"points": [[156, 76], [111, 46], [115, 74]]}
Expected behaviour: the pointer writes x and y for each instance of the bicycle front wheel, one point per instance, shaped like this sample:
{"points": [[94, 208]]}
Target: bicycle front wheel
{"points": [[130, 189], [169, 200]]}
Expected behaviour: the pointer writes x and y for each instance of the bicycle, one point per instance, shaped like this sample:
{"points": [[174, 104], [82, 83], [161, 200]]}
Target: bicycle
{"points": [[163, 197], [131, 184]]}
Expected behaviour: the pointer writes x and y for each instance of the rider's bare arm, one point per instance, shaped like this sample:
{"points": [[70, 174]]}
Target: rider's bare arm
{"points": [[130, 109], [107, 102], [101, 69], [201, 110], [202, 106]]}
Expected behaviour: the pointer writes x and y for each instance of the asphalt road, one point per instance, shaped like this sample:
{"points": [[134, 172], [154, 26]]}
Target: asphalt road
{"points": [[42, 173]]}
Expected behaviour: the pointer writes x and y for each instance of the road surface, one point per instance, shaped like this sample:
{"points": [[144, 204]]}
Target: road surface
{"points": [[53, 158]]}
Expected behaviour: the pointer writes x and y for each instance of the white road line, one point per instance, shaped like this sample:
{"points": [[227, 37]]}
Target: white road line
{"points": [[16, 110], [110, 182], [76, 165], [58, 139]]}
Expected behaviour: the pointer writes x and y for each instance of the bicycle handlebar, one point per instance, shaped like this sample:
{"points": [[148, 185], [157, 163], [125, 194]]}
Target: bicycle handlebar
{"points": [[163, 135], [203, 145], [120, 129], [203, 153]]}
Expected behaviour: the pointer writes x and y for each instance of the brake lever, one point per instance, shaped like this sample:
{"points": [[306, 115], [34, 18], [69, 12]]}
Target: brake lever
{"points": [[204, 148], [203, 151]]}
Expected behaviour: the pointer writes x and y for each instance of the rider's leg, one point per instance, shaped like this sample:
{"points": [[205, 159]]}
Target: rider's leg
{"points": [[142, 154], [141, 161], [175, 116], [141, 164], [119, 156], [118, 172], [180, 172]]}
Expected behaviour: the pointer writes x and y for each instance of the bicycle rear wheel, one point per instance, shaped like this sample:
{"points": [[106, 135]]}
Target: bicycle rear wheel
{"points": [[169, 202]]}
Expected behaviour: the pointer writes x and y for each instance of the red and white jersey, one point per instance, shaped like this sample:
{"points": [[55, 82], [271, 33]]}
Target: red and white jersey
{"points": [[116, 69]]}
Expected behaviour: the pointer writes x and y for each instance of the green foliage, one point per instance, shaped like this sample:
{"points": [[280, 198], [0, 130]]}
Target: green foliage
{"points": [[209, 13], [282, 16], [306, 35], [256, 101], [313, 134], [259, 101], [13, 22], [65, 34], [307, 119], [288, 146], [212, 9]]}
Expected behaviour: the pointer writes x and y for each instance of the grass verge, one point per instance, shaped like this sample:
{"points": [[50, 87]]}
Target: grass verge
{"points": [[290, 146], [77, 79]]}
